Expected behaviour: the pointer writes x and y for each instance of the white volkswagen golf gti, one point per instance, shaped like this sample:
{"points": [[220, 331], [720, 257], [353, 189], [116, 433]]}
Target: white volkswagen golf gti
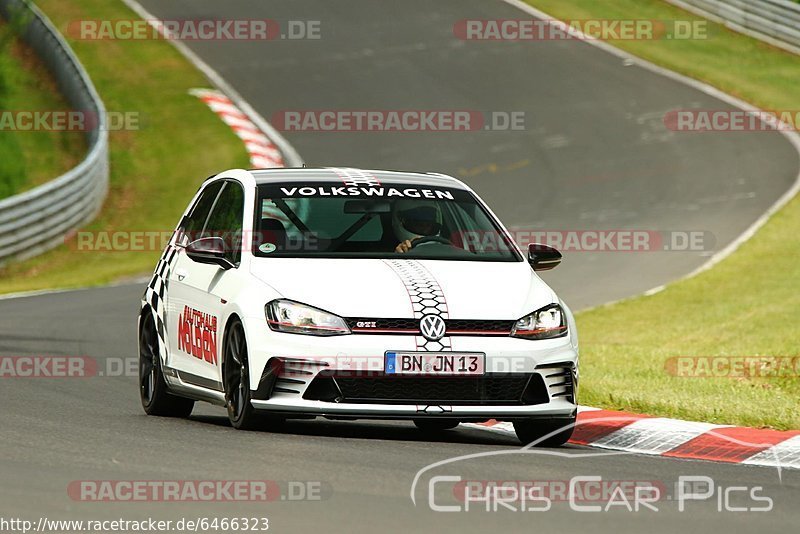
{"points": [[349, 294]]}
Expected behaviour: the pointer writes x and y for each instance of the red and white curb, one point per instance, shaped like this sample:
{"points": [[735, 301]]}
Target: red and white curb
{"points": [[673, 438], [264, 154]]}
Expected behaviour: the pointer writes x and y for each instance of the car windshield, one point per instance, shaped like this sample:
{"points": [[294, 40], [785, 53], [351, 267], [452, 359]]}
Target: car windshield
{"points": [[333, 220]]}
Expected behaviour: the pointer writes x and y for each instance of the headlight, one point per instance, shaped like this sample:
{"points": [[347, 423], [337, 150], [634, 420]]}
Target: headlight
{"points": [[546, 323], [294, 318]]}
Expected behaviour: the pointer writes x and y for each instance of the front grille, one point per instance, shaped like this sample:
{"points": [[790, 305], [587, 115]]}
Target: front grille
{"points": [[455, 327], [479, 326], [487, 389], [364, 325]]}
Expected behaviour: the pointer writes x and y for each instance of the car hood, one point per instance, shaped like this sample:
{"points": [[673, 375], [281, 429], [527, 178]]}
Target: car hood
{"points": [[373, 288]]}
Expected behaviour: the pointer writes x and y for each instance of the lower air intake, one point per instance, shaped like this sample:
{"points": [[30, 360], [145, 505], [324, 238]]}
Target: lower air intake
{"points": [[498, 388]]}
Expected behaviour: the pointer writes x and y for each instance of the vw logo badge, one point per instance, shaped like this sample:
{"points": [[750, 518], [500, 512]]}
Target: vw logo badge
{"points": [[432, 327]]}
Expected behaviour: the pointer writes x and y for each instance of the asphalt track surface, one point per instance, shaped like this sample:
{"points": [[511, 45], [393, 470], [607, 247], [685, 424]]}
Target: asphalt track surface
{"points": [[596, 159]]}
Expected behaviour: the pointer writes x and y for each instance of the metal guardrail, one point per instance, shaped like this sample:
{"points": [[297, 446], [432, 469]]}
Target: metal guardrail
{"points": [[37, 220], [774, 21]]}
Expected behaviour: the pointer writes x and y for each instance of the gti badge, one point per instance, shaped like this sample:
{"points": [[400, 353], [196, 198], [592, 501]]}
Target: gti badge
{"points": [[432, 327]]}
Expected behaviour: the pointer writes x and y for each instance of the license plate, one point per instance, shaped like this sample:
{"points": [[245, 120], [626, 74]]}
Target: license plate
{"points": [[435, 363]]}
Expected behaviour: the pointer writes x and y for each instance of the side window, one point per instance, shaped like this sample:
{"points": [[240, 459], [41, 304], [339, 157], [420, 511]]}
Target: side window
{"points": [[196, 219], [225, 220]]}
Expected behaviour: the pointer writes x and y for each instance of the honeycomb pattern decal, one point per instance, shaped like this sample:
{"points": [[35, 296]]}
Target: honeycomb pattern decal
{"points": [[427, 298]]}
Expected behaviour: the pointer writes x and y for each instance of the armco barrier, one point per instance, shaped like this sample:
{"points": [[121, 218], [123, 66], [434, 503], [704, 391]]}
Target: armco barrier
{"points": [[37, 220], [774, 21]]}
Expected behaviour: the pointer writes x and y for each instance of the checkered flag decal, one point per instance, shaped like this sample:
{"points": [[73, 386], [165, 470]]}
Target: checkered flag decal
{"points": [[427, 298], [156, 289], [356, 177]]}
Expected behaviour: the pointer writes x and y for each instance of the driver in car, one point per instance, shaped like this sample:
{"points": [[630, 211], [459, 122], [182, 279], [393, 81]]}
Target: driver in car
{"points": [[413, 220]]}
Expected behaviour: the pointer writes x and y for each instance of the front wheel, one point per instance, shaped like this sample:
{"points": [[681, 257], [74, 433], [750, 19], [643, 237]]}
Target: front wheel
{"points": [[236, 372], [534, 430], [152, 387]]}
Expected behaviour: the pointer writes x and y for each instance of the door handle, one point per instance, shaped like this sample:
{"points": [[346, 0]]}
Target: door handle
{"points": [[181, 274]]}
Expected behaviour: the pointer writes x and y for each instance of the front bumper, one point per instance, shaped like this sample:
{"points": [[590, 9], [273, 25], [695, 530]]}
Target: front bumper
{"points": [[285, 378]]}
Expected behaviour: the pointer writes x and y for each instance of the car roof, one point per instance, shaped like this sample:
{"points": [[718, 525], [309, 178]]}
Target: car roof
{"points": [[341, 174]]}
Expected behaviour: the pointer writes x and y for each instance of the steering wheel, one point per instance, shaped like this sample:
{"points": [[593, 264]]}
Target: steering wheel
{"points": [[431, 239]]}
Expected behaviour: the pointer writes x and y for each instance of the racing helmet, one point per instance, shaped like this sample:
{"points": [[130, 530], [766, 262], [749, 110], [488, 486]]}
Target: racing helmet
{"points": [[412, 219]]}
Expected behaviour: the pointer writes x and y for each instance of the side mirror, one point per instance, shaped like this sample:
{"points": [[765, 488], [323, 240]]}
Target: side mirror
{"points": [[209, 250], [543, 257]]}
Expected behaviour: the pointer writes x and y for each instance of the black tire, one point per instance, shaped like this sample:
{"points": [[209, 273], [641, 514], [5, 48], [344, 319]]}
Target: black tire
{"points": [[156, 400], [531, 430], [435, 425], [236, 373]]}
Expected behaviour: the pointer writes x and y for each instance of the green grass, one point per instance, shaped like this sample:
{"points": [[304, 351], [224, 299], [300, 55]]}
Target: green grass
{"points": [[748, 305], [28, 158], [154, 170]]}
